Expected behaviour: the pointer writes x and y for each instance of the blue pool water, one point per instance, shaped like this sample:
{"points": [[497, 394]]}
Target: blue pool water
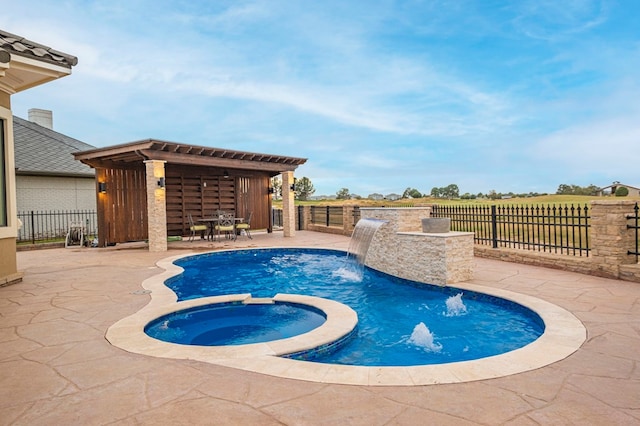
{"points": [[235, 323], [400, 322]]}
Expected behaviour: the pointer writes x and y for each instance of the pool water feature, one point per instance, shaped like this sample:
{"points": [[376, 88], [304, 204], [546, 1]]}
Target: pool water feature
{"points": [[235, 323], [563, 335], [464, 325]]}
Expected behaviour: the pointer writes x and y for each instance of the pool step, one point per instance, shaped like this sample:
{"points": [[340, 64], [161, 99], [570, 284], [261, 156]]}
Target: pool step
{"points": [[258, 300]]}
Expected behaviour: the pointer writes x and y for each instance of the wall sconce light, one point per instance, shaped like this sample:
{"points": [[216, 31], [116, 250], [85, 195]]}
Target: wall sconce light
{"points": [[293, 185], [161, 182], [225, 174], [102, 187], [270, 190]]}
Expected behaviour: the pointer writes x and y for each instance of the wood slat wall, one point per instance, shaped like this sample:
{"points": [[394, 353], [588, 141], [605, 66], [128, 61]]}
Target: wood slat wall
{"points": [[122, 210], [201, 191]]}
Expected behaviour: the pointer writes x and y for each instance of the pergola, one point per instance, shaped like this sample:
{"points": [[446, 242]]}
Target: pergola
{"points": [[147, 189]]}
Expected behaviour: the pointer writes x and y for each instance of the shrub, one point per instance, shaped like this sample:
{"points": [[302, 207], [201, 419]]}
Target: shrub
{"points": [[622, 191]]}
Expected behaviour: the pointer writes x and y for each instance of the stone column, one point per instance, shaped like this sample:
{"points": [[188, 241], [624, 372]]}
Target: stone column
{"points": [[156, 206], [347, 219], [610, 238], [288, 205]]}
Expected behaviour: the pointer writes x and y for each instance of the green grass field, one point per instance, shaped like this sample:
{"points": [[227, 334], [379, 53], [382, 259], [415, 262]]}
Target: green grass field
{"points": [[547, 200]]}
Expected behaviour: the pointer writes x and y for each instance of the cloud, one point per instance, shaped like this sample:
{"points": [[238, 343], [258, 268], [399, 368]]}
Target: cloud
{"points": [[555, 20]]}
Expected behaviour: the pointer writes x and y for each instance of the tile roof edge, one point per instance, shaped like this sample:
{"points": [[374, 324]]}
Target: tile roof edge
{"points": [[33, 50]]}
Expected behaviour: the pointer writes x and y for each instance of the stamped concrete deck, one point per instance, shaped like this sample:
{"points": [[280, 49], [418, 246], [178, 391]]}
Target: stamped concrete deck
{"points": [[57, 367]]}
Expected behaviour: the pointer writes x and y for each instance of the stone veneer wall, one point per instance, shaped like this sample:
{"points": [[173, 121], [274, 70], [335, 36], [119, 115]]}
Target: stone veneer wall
{"points": [[610, 241], [399, 248], [156, 206]]}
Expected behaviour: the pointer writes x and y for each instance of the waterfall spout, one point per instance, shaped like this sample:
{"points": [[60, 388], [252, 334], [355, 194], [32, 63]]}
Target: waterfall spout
{"points": [[361, 238]]}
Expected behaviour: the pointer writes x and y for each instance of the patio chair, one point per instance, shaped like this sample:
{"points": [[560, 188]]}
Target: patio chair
{"points": [[195, 228], [227, 225], [245, 226]]}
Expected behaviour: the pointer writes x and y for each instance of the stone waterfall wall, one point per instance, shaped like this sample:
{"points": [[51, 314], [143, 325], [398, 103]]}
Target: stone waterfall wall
{"points": [[400, 248]]}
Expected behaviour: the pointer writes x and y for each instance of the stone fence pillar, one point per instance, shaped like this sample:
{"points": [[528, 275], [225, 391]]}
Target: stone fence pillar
{"points": [[610, 238], [347, 219]]}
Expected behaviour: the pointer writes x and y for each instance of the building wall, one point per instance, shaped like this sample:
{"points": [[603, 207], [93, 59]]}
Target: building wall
{"points": [[8, 266], [45, 193]]}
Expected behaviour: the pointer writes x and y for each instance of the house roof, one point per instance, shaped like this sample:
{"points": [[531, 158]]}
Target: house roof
{"points": [[125, 155], [18, 45], [617, 184], [25, 64], [42, 151]]}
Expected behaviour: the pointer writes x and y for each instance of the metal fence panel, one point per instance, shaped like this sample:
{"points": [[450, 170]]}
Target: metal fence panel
{"points": [[634, 225], [46, 226], [552, 229]]}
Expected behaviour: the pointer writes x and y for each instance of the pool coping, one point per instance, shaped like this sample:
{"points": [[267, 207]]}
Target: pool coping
{"points": [[563, 335]]}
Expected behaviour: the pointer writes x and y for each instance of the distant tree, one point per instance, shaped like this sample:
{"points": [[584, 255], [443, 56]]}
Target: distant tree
{"points": [[493, 195], [393, 196], [276, 185], [303, 188], [451, 191], [411, 193], [375, 196], [564, 189], [467, 196], [622, 191], [343, 194], [356, 197]]}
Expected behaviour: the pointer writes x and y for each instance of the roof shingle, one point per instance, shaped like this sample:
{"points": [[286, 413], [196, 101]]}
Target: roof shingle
{"points": [[42, 151]]}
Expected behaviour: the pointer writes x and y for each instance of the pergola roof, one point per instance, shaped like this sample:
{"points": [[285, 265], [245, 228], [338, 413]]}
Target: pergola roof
{"points": [[125, 155]]}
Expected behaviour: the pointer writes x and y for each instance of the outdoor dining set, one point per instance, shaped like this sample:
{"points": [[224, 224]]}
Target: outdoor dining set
{"points": [[213, 227]]}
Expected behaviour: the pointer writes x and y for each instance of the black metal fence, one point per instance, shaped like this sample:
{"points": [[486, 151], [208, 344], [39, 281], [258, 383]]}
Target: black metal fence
{"points": [[553, 229], [52, 226], [634, 225], [276, 218], [327, 215]]}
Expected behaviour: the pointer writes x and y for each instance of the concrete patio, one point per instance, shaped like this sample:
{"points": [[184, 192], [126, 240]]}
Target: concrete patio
{"points": [[57, 367]]}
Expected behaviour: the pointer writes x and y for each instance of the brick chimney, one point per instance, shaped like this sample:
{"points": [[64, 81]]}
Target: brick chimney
{"points": [[42, 117]]}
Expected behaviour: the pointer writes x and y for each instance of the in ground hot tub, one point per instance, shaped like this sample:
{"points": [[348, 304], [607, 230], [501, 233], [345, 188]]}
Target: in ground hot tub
{"points": [[236, 323]]}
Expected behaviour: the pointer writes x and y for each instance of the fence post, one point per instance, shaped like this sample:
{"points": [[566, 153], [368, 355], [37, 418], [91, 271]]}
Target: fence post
{"points": [[610, 237], [33, 227], [494, 226]]}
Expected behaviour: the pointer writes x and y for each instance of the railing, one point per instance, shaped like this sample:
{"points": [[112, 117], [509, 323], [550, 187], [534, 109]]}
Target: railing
{"points": [[356, 215], [552, 229], [276, 218], [634, 219], [327, 215], [52, 226]]}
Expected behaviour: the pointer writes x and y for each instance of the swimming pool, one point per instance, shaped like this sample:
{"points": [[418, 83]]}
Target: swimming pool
{"points": [[400, 323], [563, 335]]}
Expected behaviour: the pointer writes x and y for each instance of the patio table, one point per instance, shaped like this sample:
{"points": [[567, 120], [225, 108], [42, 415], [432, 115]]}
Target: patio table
{"points": [[211, 223]]}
